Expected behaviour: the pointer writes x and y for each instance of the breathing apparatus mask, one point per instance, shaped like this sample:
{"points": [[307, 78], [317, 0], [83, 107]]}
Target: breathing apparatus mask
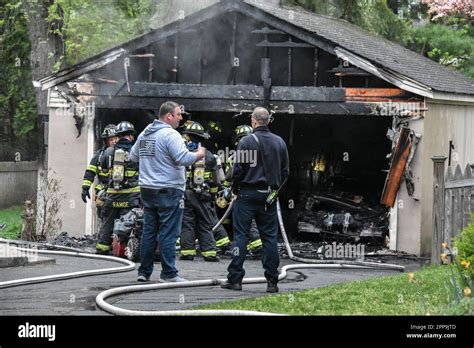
{"points": [[192, 144]]}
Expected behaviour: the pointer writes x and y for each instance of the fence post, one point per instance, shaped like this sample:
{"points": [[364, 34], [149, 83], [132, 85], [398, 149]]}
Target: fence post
{"points": [[438, 207]]}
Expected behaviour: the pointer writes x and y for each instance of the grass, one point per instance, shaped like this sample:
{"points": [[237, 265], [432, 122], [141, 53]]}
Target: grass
{"points": [[392, 295], [11, 217]]}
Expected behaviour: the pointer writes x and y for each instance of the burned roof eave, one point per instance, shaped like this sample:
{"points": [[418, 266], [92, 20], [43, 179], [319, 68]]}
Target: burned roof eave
{"points": [[394, 78], [80, 69]]}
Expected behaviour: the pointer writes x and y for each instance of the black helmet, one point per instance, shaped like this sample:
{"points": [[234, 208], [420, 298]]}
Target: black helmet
{"points": [[125, 128], [242, 131], [214, 127], [109, 131], [195, 128]]}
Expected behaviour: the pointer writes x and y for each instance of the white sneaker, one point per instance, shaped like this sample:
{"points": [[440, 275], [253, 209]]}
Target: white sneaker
{"points": [[176, 279]]}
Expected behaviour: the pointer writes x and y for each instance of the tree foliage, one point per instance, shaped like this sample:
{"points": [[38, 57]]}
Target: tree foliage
{"points": [[441, 9], [442, 30], [17, 98], [93, 26]]}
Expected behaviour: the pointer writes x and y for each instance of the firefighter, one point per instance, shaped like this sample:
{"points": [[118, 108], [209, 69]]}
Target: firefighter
{"points": [[109, 137], [216, 134], [123, 192], [202, 183], [254, 247]]}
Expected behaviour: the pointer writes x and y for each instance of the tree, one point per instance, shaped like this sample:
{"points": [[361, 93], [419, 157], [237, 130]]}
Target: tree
{"points": [[372, 15], [17, 98], [44, 20], [450, 8], [448, 39], [94, 26]]}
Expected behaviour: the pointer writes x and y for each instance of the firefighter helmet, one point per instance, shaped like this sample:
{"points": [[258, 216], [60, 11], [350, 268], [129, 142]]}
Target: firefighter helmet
{"points": [[125, 128], [214, 127], [195, 128], [109, 131], [242, 131]]}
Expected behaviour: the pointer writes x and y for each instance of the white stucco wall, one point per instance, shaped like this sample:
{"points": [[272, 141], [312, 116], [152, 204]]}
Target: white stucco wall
{"points": [[68, 157]]}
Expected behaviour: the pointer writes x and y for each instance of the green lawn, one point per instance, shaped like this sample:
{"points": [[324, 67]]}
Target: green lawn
{"points": [[392, 295], [11, 217]]}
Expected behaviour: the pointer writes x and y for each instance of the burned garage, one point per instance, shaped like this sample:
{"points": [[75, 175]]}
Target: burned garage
{"points": [[361, 116]]}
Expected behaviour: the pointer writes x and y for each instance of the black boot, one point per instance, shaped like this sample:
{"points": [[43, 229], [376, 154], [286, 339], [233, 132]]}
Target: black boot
{"points": [[272, 287], [231, 286]]}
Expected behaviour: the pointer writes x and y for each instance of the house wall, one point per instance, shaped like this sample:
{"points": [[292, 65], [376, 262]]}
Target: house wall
{"points": [[409, 217], [443, 123], [67, 160]]}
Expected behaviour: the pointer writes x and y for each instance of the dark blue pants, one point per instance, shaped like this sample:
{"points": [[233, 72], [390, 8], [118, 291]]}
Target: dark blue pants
{"points": [[250, 204], [163, 214]]}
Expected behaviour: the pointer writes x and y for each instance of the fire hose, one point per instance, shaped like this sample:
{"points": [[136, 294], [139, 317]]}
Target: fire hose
{"points": [[128, 266], [101, 298]]}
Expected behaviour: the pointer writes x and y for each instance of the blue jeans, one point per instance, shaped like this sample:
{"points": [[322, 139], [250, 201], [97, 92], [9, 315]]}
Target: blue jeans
{"points": [[250, 204], [163, 214]]}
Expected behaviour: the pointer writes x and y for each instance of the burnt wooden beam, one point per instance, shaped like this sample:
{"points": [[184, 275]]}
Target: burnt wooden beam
{"points": [[316, 66], [321, 108], [174, 71], [201, 52], [235, 105], [284, 26], [290, 62], [267, 31], [235, 61], [197, 92], [242, 92], [321, 94], [376, 92], [191, 105], [286, 44], [267, 81]]}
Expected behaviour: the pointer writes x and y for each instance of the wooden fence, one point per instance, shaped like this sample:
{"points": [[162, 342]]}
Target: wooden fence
{"points": [[453, 203], [17, 182]]}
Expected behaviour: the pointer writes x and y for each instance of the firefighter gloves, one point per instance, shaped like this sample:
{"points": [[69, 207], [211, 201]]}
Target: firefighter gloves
{"points": [[85, 194]]}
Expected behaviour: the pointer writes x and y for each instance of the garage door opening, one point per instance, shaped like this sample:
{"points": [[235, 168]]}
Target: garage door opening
{"points": [[338, 167], [338, 170]]}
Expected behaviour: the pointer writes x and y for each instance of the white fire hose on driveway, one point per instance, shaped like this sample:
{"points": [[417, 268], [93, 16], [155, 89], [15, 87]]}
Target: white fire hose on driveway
{"points": [[128, 266], [101, 298]]}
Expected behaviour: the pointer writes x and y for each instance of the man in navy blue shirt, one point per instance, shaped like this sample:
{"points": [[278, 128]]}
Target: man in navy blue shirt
{"points": [[261, 165]]}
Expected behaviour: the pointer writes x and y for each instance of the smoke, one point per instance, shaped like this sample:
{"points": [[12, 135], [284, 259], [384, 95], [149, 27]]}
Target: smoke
{"points": [[171, 10]]}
